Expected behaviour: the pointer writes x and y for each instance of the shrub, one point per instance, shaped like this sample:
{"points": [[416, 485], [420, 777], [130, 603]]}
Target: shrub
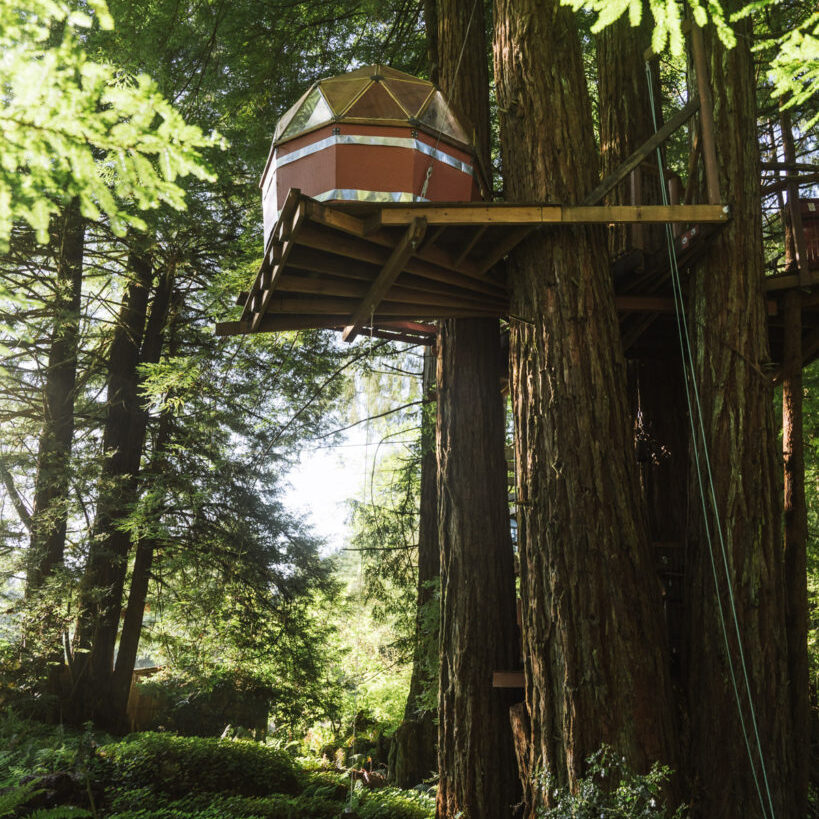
{"points": [[611, 790], [178, 766], [132, 805], [393, 803]]}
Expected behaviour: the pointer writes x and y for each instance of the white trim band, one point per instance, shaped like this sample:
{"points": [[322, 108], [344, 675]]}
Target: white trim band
{"points": [[356, 195], [389, 142]]}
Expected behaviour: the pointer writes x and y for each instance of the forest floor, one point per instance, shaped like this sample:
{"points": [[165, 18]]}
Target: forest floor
{"points": [[49, 772]]}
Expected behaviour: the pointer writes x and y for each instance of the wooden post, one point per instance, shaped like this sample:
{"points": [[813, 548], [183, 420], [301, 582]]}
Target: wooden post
{"points": [[796, 226], [709, 151], [796, 530]]}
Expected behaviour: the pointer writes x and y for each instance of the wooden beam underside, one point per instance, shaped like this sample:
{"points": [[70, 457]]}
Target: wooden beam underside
{"points": [[370, 268]]}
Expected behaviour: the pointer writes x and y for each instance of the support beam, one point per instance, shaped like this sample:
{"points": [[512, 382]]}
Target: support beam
{"points": [[617, 176], [385, 279], [479, 213], [709, 151]]}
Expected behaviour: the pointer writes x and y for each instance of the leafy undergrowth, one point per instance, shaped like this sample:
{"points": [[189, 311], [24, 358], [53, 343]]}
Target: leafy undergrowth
{"points": [[164, 776]]}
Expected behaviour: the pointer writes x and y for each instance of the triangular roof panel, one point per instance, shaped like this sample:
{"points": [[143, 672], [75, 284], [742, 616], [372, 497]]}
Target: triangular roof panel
{"points": [[411, 94], [341, 91], [312, 112], [376, 103]]}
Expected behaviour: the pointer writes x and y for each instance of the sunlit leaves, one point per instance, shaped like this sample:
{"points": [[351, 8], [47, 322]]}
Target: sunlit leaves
{"points": [[794, 65], [74, 127]]}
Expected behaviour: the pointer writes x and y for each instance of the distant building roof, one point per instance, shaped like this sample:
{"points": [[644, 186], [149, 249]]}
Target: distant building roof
{"points": [[373, 94]]}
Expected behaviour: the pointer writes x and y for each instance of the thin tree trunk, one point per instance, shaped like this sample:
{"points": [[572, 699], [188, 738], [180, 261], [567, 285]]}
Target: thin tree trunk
{"points": [[50, 513], [147, 544], [413, 756], [476, 758], [596, 658], [730, 345], [123, 438], [796, 538]]}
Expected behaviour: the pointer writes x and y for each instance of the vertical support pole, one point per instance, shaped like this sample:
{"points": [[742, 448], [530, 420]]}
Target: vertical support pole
{"points": [[636, 193], [709, 151], [796, 525], [797, 228]]}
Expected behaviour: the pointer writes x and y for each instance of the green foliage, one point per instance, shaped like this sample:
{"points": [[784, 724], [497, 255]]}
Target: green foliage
{"points": [[393, 803], [13, 800], [180, 765], [610, 790], [71, 126], [131, 805]]}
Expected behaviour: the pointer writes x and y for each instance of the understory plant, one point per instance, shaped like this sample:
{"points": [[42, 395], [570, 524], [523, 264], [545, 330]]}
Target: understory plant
{"points": [[610, 790]]}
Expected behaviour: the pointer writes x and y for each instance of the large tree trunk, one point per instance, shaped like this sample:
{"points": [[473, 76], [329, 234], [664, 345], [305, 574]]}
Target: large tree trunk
{"points": [[101, 592], [413, 755], [50, 513], [596, 657], [476, 760], [656, 385], [476, 755], [730, 345]]}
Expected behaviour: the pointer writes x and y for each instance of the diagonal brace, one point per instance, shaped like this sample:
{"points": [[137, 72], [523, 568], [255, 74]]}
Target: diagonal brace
{"points": [[386, 277]]}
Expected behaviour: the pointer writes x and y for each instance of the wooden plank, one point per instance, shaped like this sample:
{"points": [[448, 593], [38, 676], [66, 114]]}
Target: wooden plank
{"points": [[386, 278], [503, 247], [508, 679], [350, 288], [350, 248], [651, 144], [328, 216], [396, 335], [282, 304], [790, 280], [287, 246], [496, 214], [308, 259], [461, 257], [709, 151]]}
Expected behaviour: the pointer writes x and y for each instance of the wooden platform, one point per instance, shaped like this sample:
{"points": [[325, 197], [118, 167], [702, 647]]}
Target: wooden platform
{"points": [[391, 270]]}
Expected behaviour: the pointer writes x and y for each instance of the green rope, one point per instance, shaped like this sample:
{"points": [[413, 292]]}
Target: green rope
{"points": [[688, 365]]}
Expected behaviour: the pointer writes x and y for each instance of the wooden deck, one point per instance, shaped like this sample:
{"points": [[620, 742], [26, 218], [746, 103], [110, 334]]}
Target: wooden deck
{"points": [[392, 270]]}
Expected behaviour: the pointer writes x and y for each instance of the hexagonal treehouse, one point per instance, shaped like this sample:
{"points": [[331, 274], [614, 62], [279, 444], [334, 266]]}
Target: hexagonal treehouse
{"points": [[373, 135]]}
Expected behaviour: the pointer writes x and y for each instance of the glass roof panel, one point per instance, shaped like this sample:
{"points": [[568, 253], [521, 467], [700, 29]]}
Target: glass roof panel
{"points": [[288, 115], [438, 116], [412, 95], [390, 73], [313, 111], [376, 103], [342, 91]]}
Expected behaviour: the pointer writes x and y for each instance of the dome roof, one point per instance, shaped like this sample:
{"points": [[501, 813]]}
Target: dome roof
{"points": [[374, 94]]}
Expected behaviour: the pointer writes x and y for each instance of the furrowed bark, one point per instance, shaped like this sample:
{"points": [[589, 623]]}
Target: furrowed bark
{"points": [[596, 658], [476, 760], [730, 345]]}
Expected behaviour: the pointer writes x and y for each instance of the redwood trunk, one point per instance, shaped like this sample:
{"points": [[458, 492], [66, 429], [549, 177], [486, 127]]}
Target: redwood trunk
{"points": [[596, 657], [476, 758], [50, 513], [730, 344]]}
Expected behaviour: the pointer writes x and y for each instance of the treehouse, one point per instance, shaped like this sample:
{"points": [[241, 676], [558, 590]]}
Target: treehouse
{"points": [[378, 220], [372, 135]]}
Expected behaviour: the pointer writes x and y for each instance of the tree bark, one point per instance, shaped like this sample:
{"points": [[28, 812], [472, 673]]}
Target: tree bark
{"points": [[596, 658], [50, 513], [730, 345], [147, 543], [415, 755], [101, 592], [476, 760], [796, 538], [476, 757]]}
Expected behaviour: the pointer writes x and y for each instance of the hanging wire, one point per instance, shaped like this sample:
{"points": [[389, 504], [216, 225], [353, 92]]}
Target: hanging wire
{"points": [[690, 373], [425, 185]]}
